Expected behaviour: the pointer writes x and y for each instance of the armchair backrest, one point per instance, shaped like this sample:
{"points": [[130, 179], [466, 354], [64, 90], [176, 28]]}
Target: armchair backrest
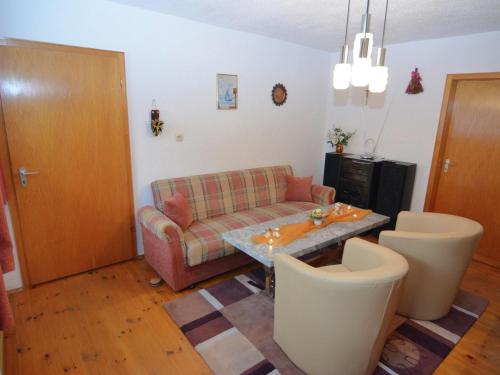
{"points": [[337, 322], [437, 223], [439, 248], [216, 194]]}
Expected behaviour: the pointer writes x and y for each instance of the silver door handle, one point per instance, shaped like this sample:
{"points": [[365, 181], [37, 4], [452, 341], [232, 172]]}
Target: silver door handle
{"points": [[23, 173], [447, 164]]}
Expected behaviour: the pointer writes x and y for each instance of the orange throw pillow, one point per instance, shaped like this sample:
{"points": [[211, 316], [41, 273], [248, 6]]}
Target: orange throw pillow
{"points": [[178, 210], [299, 188]]}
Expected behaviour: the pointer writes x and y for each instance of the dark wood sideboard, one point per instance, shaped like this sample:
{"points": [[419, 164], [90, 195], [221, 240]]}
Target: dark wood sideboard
{"points": [[385, 186]]}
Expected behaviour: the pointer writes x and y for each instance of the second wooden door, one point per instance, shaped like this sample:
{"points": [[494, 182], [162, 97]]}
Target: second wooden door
{"points": [[465, 180]]}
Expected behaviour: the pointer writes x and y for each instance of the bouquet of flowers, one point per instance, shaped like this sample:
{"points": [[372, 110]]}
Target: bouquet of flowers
{"points": [[317, 214], [338, 137]]}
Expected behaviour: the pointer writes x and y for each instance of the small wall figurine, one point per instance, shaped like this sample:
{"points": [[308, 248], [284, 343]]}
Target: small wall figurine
{"points": [[156, 123], [415, 85]]}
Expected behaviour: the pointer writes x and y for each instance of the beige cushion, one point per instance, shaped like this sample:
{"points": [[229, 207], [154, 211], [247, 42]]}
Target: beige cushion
{"points": [[337, 322], [335, 268], [438, 248]]}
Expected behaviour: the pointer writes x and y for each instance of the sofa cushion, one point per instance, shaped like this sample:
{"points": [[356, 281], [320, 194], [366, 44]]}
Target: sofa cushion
{"points": [[299, 188], [204, 238], [177, 209], [217, 194]]}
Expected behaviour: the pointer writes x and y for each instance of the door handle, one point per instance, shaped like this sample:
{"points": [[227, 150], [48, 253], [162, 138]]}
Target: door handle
{"points": [[447, 164], [23, 173]]}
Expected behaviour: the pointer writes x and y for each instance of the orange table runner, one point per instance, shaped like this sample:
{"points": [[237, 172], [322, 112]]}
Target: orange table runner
{"points": [[292, 232]]}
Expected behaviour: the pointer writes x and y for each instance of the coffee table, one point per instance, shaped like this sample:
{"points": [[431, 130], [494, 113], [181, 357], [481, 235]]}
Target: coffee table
{"points": [[336, 233]]}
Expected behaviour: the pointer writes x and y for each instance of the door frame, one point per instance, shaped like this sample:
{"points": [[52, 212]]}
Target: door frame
{"points": [[443, 130], [12, 200], [9, 174]]}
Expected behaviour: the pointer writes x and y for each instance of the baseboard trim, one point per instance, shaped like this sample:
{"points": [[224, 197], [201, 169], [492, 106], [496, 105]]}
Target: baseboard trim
{"points": [[486, 260], [1, 352], [16, 290]]}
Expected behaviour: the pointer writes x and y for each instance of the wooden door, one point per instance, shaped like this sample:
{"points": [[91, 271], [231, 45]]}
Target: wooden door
{"points": [[65, 119], [465, 178]]}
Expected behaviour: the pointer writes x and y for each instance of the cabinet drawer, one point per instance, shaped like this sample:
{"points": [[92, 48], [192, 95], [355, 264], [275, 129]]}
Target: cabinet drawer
{"points": [[350, 197], [356, 167], [356, 178], [354, 194]]}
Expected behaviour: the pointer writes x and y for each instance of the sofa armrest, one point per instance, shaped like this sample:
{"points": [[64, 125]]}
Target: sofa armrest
{"points": [[323, 195], [164, 247], [159, 224]]}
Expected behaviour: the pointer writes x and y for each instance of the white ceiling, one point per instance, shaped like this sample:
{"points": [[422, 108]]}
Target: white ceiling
{"points": [[321, 23]]}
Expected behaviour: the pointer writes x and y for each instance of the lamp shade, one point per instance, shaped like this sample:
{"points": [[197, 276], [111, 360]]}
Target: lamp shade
{"points": [[341, 76], [379, 76], [361, 69], [357, 44]]}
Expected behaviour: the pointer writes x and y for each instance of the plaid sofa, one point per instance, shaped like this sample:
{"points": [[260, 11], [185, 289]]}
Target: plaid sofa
{"points": [[220, 202]]}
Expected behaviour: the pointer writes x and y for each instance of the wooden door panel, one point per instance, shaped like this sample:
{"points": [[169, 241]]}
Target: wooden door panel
{"points": [[65, 117], [471, 187]]}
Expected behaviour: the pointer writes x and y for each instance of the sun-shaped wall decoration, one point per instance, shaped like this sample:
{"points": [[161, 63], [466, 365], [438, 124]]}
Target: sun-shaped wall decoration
{"points": [[279, 94]]}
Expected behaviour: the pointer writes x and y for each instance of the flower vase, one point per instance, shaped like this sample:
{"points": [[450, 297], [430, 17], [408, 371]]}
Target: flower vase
{"points": [[339, 148], [318, 222]]}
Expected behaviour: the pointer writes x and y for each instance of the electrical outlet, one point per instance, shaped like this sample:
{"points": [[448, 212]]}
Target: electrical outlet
{"points": [[179, 137]]}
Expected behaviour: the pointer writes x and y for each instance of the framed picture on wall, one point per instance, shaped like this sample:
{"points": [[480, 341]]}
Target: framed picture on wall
{"points": [[227, 91]]}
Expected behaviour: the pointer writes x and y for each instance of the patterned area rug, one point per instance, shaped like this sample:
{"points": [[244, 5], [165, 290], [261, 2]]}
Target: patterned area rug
{"points": [[231, 325]]}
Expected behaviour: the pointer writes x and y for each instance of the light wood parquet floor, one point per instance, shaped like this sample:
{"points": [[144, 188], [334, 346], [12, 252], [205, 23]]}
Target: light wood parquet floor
{"points": [[110, 321]]}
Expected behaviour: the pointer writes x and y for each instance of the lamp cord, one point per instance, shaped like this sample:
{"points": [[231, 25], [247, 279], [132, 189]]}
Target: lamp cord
{"points": [[383, 125], [385, 21], [367, 15], [347, 21]]}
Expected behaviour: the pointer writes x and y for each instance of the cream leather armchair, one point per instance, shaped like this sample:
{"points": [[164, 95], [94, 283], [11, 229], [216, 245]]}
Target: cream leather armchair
{"points": [[335, 320], [439, 248]]}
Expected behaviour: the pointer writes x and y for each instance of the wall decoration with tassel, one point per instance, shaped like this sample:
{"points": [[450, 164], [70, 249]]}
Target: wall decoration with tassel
{"points": [[156, 123], [415, 85]]}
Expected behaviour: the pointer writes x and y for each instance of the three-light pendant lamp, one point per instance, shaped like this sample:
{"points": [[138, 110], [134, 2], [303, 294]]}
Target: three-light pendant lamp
{"points": [[362, 73]]}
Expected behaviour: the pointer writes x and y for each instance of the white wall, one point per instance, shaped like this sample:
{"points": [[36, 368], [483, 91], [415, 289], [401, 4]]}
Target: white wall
{"points": [[412, 120], [175, 61]]}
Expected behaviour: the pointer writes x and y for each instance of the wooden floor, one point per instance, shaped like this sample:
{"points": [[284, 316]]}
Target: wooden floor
{"points": [[111, 321]]}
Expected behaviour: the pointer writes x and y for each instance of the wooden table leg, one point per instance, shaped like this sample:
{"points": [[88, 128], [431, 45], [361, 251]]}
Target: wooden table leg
{"points": [[340, 246], [269, 280]]}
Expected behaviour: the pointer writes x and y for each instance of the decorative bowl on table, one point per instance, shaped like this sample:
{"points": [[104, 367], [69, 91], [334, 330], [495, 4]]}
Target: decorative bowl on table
{"points": [[317, 216]]}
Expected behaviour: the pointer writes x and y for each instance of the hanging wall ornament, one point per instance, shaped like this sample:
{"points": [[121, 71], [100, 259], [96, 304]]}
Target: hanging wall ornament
{"points": [[156, 123], [279, 94], [415, 85]]}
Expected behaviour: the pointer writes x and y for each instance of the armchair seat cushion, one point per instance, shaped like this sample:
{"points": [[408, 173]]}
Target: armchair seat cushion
{"points": [[204, 241], [335, 268]]}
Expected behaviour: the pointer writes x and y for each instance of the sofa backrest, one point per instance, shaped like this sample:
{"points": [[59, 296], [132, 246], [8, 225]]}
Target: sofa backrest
{"points": [[216, 194]]}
